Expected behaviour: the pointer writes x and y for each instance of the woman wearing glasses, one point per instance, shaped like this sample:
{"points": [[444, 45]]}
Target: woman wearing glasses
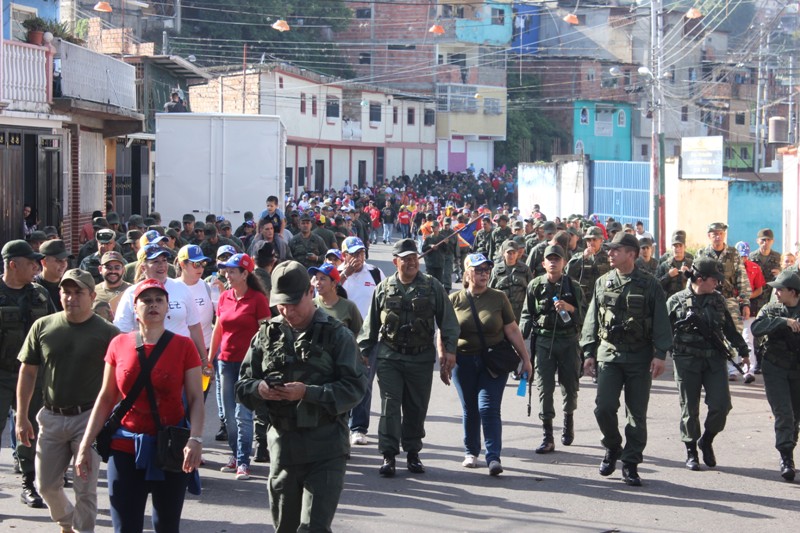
{"points": [[481, 391]]}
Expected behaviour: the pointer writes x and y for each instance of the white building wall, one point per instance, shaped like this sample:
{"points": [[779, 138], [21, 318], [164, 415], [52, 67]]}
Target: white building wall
{"points": [[340, 167]]}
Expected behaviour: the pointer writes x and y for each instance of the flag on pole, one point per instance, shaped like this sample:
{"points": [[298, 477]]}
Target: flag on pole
{"points": [[467, 233]]}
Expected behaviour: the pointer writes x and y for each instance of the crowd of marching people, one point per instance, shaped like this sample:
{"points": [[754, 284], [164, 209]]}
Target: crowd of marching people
{"points": [[282, 318]]}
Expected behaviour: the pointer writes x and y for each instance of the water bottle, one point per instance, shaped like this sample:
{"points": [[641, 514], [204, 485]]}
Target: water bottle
{"points": [[565, 318], [523, 384]]}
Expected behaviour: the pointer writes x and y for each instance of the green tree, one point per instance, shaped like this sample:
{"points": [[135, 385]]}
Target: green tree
{"points": [[215, 32], [529, 134]]}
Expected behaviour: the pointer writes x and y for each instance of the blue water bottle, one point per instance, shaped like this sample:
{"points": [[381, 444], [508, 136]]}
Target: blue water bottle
{"points": [[523, 384]]}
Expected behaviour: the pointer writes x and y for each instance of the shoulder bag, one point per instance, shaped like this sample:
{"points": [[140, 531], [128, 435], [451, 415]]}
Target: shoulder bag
{"points": [[170, 440], [102, 443], [499, 359]]}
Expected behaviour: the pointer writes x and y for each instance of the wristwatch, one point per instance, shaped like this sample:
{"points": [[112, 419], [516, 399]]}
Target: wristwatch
{"points": [[198, 440]]}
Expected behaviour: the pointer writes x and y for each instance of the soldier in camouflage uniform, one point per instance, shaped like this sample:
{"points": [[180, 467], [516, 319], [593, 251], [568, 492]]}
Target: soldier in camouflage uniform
{"points": [[735, 284], [303, 367], [770, 262], [670, 273], [306, 247], [699, 365], [105, 243], [22, 302], [778, 323], [511, 276], [499, 235], [646, 261], [587, 267], [483, 237], [554, 343]]}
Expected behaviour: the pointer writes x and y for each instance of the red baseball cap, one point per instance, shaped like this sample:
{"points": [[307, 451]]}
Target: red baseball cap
{"points": [[148, 284]]}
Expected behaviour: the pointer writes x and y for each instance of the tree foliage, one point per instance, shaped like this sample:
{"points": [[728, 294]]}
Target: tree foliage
{"points": [[529, 133], [217, 31]]}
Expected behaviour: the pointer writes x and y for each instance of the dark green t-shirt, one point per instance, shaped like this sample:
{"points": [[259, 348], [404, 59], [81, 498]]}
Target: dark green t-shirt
{"points": [[70, 356], [344, 311], [494, 312]]}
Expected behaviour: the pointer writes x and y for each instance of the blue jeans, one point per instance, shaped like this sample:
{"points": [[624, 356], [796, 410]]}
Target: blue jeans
{"points": [[481, 396], [128, 490], [405, 230], [238, 418], [373, 234], [359, 416], [387, 232]]}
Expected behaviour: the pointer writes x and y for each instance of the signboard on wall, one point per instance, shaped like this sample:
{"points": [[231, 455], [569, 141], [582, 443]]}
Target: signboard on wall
{"points": [[701, 158]]}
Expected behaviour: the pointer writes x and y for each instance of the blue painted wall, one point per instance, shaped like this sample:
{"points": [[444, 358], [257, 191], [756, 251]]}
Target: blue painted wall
{"points": [[47, 9], [753, 205], [614, 144], [526, 29], [620, 189], [482, 31]]}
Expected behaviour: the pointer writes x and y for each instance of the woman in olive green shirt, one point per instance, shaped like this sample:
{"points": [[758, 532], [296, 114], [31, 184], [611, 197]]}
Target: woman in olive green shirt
{"points": [[480, 391]]}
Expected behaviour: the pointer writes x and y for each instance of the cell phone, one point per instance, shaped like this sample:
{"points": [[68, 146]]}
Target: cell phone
{"points": [[274, 379]]}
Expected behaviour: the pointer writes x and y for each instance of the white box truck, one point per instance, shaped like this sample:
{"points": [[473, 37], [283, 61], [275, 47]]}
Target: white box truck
{"points": [[218, 163]]}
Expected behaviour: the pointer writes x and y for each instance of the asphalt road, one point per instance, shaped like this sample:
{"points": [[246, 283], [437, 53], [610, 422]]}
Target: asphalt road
{"points": [[561, 491]]}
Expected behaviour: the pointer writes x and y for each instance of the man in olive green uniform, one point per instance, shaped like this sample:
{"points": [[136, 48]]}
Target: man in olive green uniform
{"points": [[770, 262], [778, 323], [105, 243], [670, 273], [554, 342], [511, 276], [499, 235], [449, 249], [433, 251], [646, 261], [483, 237], [536, 253], [307, 248], [735, 286], [402, 316], [328, 237], [626, 330], [304, 368], [697, 363], [588, 266], [22, 302]]}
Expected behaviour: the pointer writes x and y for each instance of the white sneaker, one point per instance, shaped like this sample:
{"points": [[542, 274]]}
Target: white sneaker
{"points": [[358, 438], [470, 461]]}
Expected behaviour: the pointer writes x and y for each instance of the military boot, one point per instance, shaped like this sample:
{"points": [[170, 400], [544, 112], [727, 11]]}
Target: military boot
{"points": [[787, 465], [29, 495], [568, 431], [708, 451], [548, 444], [692, 462]]}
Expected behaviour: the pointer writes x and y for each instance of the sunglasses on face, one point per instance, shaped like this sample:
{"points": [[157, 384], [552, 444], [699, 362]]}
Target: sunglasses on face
{"points": [[197, 264], [482, 270]]}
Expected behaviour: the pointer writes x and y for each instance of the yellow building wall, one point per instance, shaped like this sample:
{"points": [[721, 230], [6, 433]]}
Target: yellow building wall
{"points": [[702, 202]]}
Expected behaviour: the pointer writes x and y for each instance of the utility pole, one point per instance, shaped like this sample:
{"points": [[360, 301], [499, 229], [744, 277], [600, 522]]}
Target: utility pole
{"points": [[757, 147]]}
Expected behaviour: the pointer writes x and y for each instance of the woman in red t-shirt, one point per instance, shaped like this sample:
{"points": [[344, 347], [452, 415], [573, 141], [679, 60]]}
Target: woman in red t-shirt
{"points": [[239, 311], [130, 476]]}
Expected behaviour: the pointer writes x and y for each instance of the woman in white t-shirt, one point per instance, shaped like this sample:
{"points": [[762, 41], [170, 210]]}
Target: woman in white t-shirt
{"points": [[190, 264]]}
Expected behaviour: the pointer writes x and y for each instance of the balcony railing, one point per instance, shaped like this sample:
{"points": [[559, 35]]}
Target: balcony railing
{"points": [[94, 77], [27, 76]]}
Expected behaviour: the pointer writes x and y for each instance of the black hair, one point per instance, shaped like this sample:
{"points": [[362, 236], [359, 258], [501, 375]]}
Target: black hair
{"points": [[272, 198]]}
